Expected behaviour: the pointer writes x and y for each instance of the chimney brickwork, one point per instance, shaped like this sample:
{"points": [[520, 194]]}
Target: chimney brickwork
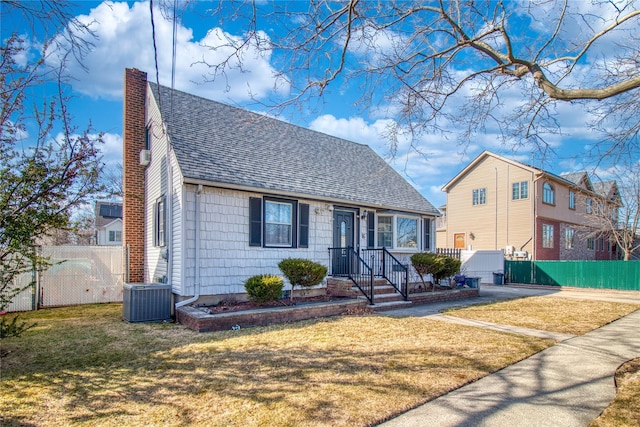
{"points": [[133, 183]]}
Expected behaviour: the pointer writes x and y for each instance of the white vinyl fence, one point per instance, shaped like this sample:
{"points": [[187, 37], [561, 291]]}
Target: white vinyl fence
{"points": [[78, 275], [482, 264]]}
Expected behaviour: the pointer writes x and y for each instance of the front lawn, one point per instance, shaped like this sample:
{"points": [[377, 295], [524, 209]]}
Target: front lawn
{"points": [[554, 314], [84, 366]]}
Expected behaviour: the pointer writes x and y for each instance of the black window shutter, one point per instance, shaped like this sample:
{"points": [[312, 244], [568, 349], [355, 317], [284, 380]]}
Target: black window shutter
{"points": [[371, 230], [303, 233], [427, 234], [255, 221]]}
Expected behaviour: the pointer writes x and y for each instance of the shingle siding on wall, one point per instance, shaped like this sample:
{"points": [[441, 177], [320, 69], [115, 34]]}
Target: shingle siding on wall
{"points": [[226, 259]]}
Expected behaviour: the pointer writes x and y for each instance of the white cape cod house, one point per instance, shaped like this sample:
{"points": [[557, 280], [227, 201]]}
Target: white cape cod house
{"points": [[214, 194]]}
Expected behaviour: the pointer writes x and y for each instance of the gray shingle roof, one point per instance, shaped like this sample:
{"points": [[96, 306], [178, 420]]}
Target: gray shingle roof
{"points": [[221, 144]]}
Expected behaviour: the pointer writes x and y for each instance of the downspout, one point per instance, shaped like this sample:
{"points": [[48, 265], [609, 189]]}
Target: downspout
{"points": [[196, 284]]}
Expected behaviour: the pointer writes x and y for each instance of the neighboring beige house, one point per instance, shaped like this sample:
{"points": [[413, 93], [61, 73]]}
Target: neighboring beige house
{"points": [[498, 203], [108, 224]]}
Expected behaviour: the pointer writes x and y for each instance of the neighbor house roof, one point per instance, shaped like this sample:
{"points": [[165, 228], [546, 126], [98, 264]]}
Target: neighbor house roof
{"points": [[107, 212], [228, 146], [572, 179]]}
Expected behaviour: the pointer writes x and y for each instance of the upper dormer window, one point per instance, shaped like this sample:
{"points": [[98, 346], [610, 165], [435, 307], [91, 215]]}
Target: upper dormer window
{"points": [[548, 194], [520, 190], [479, 196]]}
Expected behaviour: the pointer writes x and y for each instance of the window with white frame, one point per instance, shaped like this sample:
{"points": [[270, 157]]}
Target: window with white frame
{"points": [[385, 231], [590, 243], [407, 232], [548, 194], [398, 232], [547, 236], [115, 236], [568, 238], [278, 223], [520, 190], [479, 196], [572, 200], [588, 205], [160, 222]]}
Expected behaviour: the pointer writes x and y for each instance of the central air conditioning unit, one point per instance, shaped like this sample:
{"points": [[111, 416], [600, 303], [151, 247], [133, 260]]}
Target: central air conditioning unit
{"points": [[145, 157], [520, 254], [146, 302]]}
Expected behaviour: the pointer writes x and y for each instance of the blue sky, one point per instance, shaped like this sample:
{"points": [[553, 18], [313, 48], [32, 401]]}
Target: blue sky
{"points": [[124, 40]]}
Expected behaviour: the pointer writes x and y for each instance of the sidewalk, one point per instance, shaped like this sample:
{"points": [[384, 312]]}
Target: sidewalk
{"points": [[566, 385]]}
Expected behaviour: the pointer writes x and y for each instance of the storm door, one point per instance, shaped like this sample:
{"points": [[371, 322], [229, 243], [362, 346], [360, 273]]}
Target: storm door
{"points": [[343, 232]]}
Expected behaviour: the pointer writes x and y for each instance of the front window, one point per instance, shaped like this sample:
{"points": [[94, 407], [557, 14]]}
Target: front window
{"points": [[588, 205], [398, 232], [479, 196], [568, 238], [548, 194], [572, 200], [547, 236], [115, 236], [407, 229], [385, 231], [590, 243], [278, 221], [520, 190]]}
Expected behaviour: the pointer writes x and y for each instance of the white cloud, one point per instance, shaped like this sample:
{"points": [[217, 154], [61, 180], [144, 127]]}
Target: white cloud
{"points": [[111, 148], [124, 40]]}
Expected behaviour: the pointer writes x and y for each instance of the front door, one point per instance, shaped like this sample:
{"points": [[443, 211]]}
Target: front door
{"points": [[343, 223], [458, 241]]}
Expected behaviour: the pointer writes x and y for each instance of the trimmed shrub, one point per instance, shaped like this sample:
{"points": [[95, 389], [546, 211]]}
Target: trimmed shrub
{"points": [[264, 288], [438, 266], [302, 272]]}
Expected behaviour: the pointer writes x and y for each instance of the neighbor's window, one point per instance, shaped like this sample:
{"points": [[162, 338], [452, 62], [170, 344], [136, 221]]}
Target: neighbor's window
{"points": [[161, 222], [590, 243], [568, 238], [547, 236], [385, 231], [572, 200], [548, 194], [520, 190], [588, 205], [480, 196], [115, 236], [407, 233], [278, 223]]}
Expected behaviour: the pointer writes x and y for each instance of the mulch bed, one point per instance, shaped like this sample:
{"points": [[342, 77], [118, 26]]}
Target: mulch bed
{"points": [[225, 306]]}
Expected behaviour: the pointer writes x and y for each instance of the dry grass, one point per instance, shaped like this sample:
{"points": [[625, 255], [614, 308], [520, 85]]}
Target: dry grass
{"points": [[624, 411], [83, 366], [564, 315]]}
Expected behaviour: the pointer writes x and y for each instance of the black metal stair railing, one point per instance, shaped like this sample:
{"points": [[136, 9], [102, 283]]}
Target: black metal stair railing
{"points": [[387, 266], [346, 262]]}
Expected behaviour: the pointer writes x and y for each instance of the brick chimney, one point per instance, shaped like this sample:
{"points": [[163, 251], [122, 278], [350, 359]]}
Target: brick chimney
{"points": [[134, 131]]}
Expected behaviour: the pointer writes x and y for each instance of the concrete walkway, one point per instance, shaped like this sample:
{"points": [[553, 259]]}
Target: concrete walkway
{"points": [[566, 385]]}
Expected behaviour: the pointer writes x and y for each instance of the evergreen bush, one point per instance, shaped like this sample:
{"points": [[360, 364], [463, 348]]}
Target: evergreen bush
{"points": [[264, 288], [302, 272]]}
